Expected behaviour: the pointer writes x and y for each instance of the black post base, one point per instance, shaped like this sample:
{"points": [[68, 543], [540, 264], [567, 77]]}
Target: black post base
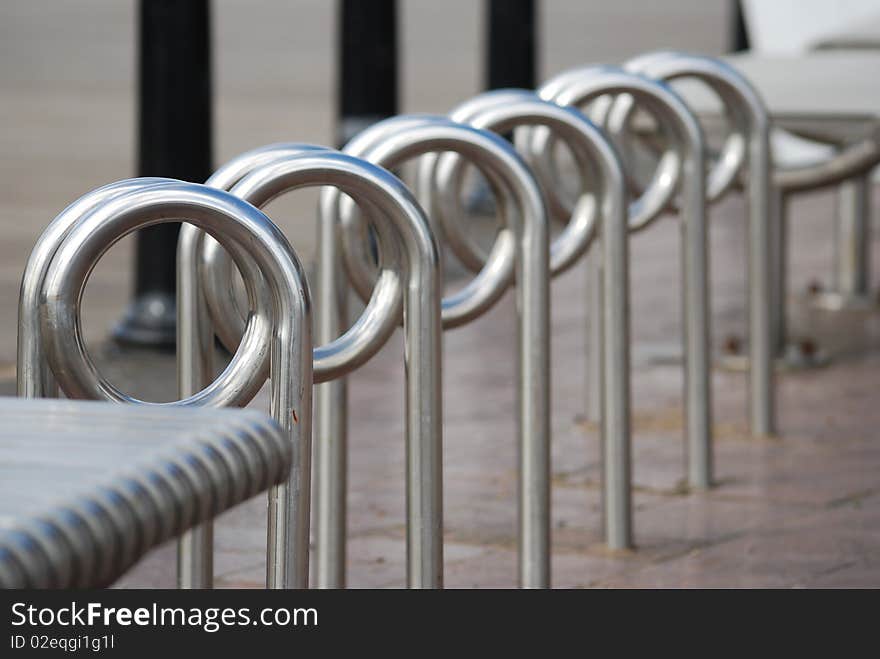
{"points": [[174, 140], [149, 322]]}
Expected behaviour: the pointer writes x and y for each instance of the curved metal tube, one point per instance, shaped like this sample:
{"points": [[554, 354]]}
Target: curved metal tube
{"points": [[766, 301], [34, 379], [582, 86], [524, 247], [205, 307], [650, 203], [850, 162], [506, 110], [249, 236], [730, 160], [410, 136], [445, 207], [404, 234]]}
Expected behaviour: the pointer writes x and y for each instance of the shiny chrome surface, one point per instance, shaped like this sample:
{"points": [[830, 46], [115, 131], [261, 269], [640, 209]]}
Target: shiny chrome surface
{"points": [[579, 88], [33, 377], [408, 285], [599, 169], [255, 244], [751, 133], [521, 251], [113, 482]]}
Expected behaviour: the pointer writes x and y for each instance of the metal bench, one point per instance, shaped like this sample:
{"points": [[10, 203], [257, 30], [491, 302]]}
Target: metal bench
{"points": [[88, 488]]}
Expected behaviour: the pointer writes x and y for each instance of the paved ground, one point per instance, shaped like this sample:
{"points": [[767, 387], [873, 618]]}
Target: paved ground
{"points": [[802, 509]]}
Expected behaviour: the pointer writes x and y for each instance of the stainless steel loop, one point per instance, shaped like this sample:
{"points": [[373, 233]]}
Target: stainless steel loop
{"points": [[257, 245], [506, 110], [601, 213], [521, 246], [390, 143], [722, 174], [95, 233], [747, 149], [34, 378], [687, 146], [408, 287], [660, 191], [260, 176]]}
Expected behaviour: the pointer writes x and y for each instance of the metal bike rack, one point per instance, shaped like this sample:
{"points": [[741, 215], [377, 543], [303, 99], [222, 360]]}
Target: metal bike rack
{"points": [[746, 148], [521, 246], [582, 86], [58, 271], [410, 272], [510, 110]]}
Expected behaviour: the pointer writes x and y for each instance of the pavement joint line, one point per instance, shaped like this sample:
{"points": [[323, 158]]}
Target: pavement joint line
{"points": [[855, 497], [239, 570], [834, 568]]}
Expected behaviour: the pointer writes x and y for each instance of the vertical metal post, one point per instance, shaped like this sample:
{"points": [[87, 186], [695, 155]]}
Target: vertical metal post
{"points": [[511, 63], [852, 240], [778, 236], [511, 44], [367, 65], [331, 414], [533, 337], [195, 349], [695, 321], [594, 334], [367, 93], [174, 140], [767, 249]]}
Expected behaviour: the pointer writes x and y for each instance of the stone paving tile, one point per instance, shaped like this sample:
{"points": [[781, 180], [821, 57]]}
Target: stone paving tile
{"points": [[158, 569], [782, 557]]}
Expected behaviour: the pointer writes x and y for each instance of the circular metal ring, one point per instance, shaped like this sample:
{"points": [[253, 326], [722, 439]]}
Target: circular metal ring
{"points": [[34, 378], [730, 160], [240, 227], [217, 269], [664, 184], [229, 325], [505, 110], [375, 190], [393, 141]]}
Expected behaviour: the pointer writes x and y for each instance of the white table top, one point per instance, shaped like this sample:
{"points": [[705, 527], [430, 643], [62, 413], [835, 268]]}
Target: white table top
{"points": [[861, 34], [821, 85]]}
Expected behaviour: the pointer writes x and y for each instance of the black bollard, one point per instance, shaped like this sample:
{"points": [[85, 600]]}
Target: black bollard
{"points": [[174, 140], [511, 44], [739, 35], [510, 62], [366, 65]]}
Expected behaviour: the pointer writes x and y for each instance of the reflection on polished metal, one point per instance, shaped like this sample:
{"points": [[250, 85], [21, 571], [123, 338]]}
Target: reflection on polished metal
{"points": [[582, 86], [195, 349], [747, 147], [599, 168], [140, 476], [521, 248], [34, 379], [408, 286], [260, 250]]}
